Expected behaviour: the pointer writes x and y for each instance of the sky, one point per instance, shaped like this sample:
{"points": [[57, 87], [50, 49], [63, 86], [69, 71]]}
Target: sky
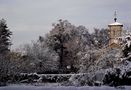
{"points": [[28, 19]]}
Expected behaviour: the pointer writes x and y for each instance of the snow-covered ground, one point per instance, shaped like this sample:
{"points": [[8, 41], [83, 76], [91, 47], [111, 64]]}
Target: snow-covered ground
{"points": [[24, 87]]}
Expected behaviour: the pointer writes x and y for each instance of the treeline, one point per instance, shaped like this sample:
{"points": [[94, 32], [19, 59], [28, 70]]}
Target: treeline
{"points": [[62, 50], [66, 49]]}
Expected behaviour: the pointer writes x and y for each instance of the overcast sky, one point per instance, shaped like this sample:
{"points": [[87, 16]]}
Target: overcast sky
{"points": [[28, 19]]}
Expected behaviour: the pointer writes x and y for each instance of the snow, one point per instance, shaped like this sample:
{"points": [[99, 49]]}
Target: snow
{"points": [[24, 87], [125, 68], [128, 43], [116, 23]]}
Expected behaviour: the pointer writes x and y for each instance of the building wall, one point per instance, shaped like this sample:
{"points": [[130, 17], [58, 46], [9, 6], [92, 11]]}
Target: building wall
{"points": [[115, 31]]}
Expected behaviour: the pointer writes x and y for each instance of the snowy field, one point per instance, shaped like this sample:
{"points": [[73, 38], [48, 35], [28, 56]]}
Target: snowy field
{"points": [[22, 87]]}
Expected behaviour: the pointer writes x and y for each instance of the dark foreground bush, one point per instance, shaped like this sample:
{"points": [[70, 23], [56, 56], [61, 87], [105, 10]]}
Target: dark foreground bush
{"points": [[117, 78], [3, 84], [54, 78]]}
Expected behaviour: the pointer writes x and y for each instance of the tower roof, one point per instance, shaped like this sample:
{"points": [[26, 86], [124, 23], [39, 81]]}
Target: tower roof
{"points": [[115, 19], [115, 24]]}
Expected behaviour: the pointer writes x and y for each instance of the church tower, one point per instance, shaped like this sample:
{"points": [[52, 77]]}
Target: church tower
{"points": [[115, 33]]}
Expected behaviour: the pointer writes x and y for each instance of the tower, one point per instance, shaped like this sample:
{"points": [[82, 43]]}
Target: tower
{"points": [[115, 32]]}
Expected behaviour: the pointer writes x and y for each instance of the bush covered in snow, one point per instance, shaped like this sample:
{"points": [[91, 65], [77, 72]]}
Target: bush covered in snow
{"points": [[117, 78], [82, 79]]}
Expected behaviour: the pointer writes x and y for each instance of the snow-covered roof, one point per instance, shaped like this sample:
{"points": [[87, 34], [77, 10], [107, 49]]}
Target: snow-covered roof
{"points": [[115, 24]]}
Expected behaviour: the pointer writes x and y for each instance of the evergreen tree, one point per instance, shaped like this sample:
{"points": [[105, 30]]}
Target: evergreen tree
{"points": [[5, 35], [5, 42]]}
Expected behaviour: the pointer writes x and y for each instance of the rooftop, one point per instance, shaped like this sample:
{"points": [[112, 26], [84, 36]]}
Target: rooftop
{"points": [[115, 24]]}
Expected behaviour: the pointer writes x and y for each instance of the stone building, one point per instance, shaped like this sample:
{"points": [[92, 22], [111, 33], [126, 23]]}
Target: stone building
{"points": [[115, 34]]}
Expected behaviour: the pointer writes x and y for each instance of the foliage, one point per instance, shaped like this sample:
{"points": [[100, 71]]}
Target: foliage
{"points": [[5, 42], [101, 37], [5, 36], [117, 78], [66, 49]]}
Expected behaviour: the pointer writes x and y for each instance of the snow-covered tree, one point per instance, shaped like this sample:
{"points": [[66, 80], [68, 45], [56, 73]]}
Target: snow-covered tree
{"points": [[101, 37], [5, 35], [5, 42], [67, 40], [40, 57]]}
